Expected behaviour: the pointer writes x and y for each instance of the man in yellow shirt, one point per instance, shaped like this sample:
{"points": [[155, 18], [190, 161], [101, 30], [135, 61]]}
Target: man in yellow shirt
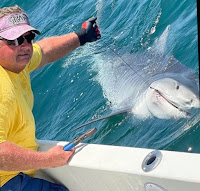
{"points": [[18, 57]]}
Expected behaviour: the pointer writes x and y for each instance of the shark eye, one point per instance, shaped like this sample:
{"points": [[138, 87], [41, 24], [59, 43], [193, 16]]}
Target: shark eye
{"points": [[177, 87]]}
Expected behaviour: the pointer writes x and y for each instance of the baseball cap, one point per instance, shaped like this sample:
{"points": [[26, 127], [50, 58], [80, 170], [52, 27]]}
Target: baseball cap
{"points": [[14, 25]]}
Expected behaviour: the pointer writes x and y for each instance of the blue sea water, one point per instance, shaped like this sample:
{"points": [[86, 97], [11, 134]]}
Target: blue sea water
{"points": [[66, 93]]}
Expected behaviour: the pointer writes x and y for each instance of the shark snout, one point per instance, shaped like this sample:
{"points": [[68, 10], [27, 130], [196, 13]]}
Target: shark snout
{"points": [[195, 102], [188, 103]]}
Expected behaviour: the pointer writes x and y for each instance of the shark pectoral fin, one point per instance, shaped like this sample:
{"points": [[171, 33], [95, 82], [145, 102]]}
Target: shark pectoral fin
{"points": [[104, 117]]}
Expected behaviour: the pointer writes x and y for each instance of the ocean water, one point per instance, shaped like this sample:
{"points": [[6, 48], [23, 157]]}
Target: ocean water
{"points": [[68, 94]]}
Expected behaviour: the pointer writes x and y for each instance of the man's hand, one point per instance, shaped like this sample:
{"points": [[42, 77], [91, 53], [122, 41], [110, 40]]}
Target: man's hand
{"points": [[58, 157], [89, 32]]}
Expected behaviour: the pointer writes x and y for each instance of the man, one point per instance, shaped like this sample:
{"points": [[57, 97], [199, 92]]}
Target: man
{"points": [[18, 57]]}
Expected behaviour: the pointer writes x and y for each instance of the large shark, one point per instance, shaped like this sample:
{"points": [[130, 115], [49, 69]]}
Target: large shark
{"points": [[150, 83]]}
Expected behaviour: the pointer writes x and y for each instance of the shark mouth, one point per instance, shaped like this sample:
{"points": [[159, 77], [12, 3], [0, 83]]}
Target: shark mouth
{"points": [[181, 110]]}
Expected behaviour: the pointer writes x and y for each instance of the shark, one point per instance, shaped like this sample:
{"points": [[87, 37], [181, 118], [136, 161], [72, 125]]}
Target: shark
{"points": [[149, 83]]}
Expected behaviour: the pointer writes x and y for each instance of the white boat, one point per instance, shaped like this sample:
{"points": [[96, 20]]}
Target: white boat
{"points": [[114, 168]]}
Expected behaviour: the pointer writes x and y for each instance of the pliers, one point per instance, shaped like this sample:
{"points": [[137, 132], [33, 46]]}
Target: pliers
{"points": [[72, 144]]}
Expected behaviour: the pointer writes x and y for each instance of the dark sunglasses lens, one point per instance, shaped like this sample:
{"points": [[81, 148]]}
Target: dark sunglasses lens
{"points": [[30, 37], [20, 40]]}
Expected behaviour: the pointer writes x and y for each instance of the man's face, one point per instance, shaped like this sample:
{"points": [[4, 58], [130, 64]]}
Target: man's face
{"points": [[15, 58]]}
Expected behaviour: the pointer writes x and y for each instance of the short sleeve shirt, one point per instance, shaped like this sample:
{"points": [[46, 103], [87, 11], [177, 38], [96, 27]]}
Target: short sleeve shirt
{"points": [[17, 124]]}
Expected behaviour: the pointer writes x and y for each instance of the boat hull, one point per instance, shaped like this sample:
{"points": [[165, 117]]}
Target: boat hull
{"points": [[112, 168]]}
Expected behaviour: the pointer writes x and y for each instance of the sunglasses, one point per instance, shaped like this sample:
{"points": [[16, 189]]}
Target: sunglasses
{"points": [[20, 40]]}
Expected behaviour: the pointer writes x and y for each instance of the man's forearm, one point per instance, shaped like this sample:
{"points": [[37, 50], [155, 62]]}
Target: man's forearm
{"points": [[15, 158], [55, 48]]}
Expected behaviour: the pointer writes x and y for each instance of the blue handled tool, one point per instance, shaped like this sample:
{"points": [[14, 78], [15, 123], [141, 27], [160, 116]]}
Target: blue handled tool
{"points": [[71, 145]]}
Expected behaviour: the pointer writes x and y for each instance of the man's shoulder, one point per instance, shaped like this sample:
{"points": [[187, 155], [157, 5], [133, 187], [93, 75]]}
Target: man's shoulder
{"points": [[36, 58]]}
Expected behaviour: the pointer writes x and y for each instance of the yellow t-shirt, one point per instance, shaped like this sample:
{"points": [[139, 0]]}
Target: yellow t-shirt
{"points": [[17, 124]]}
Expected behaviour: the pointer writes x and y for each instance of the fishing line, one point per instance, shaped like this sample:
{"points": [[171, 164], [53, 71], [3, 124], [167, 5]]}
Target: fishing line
{"points": [[99, 10], [145, 81]]}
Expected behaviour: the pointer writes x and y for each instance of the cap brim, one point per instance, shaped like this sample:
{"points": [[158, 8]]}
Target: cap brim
{"points": [[17, 31]]}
